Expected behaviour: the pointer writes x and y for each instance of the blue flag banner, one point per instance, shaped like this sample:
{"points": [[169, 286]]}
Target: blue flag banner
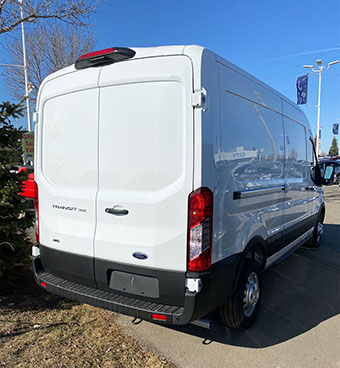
{"points": [[301, 88], [335, 128]]}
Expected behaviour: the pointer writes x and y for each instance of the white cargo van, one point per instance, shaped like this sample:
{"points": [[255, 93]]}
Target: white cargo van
{"points": [[167, 180]]}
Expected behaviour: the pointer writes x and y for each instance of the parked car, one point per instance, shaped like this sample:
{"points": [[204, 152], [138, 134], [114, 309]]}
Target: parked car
{"points": [[333, 175], [27, 185], [196, 181], [27, 188]]}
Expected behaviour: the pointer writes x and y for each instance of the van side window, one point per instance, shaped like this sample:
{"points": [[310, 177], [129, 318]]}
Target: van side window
{"points": [[295, 142]]}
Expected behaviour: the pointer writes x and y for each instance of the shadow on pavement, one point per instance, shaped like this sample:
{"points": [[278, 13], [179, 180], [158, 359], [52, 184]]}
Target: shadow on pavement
{"points": [[299, 293]]}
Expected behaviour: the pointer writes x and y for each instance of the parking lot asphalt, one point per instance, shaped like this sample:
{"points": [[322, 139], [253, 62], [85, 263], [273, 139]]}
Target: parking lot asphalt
{"points": [[298, 324]]}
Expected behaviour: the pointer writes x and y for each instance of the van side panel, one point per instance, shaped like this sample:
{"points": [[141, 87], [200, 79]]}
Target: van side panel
{"points": [[250, 194], [208, 137], [314, 197], [296, 167], [243, 84], [210, 122], [298, 216]]}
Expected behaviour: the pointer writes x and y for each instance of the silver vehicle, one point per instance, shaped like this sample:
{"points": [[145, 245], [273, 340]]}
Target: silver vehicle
{"points": [[197, 178]]}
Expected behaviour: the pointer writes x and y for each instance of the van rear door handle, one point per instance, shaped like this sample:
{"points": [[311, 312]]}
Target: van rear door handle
{"points": [[118, 211]]}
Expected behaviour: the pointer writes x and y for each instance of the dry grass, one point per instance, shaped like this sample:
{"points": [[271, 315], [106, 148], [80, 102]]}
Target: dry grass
{"points": [[38, 329]]}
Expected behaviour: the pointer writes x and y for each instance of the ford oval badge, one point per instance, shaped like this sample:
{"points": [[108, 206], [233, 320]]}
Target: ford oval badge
{"points": [[140, 255]]}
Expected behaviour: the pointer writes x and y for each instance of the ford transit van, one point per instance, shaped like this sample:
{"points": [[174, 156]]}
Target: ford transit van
{"points": [[167, 181]]}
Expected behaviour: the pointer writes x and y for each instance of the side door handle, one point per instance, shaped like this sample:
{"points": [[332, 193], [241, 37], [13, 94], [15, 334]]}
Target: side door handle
{"points": [[118, 211], [310, 187]]}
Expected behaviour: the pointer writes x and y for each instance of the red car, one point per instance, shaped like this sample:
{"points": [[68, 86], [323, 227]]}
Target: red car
{"points": [[27, 185]]}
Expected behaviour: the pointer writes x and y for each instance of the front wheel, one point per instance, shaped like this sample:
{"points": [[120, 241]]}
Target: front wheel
{"points": [[240, 310]]}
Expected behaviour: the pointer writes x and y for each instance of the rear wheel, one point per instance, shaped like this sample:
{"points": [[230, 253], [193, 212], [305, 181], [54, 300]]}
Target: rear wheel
{"points": [[314, 241], [240, 310]]}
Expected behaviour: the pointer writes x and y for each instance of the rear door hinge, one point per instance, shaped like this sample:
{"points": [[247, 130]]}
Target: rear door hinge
{"points": [[199, 99], [35, 116]]}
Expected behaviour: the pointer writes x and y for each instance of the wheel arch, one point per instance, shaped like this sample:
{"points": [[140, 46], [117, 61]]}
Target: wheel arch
{"points": [[322, 210], [256, 250]]}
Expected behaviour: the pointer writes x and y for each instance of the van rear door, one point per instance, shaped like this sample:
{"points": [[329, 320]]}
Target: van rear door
{"points": [[145, 162], [67, 175]]}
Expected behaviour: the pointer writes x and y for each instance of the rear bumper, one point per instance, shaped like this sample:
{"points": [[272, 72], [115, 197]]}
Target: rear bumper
{"points": [[175, 315], [217, 284]]}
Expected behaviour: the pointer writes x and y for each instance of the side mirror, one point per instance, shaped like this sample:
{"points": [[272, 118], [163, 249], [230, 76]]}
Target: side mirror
{"points": [[317, 175], [324, 178]]}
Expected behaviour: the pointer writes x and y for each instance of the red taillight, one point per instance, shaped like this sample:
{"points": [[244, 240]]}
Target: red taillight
{"points": [[159, 317], [200, 229], [97, 53], [43, 284], [36, 205]]}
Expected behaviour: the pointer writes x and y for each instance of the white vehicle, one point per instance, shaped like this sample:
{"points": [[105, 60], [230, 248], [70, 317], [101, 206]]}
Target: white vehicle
{"points": [[167, 180]]}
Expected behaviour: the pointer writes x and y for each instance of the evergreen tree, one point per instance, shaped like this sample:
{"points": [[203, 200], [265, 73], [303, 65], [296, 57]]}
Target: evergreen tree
{"points": [[14, 220], [334, 150]]}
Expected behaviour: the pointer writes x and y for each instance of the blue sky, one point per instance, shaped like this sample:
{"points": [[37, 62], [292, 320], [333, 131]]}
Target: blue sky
{"points": [[269, 39]]}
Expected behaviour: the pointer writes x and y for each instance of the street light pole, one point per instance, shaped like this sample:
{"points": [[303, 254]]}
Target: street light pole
{"points": [[319, 71], [25, 69], [318, 119]]}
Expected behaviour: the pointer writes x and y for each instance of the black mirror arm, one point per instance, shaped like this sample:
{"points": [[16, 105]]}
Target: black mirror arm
{"points": [[318, 178], [316, 168]]}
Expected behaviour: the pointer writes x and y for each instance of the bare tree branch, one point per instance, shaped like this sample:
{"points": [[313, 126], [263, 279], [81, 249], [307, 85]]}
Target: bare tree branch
{"points": [[69, 11], [48, 48]]}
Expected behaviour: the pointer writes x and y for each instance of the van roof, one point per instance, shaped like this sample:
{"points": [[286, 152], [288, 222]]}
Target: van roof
{"points": [[195, 53], [141, 52]]}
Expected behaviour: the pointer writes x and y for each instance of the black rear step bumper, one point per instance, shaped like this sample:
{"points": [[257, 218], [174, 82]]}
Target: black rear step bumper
{"points": [[71, 276], [175, 315]]}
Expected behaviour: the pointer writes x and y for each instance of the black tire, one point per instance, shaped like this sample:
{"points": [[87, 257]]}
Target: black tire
{"points": [[235, 312], [314, 241]]}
